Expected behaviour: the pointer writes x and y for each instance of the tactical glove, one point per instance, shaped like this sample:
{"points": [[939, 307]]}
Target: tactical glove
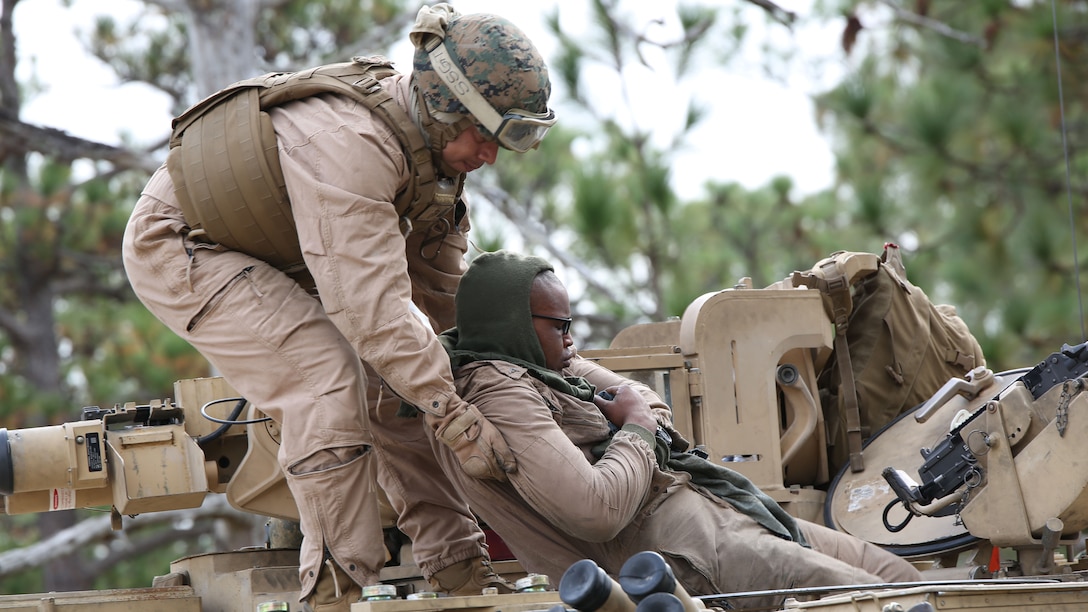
{"points": [[479, 447]]}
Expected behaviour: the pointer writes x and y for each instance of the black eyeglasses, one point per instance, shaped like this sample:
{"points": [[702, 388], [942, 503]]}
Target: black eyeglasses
{"points": [[566, 321]]}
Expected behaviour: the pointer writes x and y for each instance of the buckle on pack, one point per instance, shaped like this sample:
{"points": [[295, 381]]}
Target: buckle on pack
{"points": [[368, 84]]}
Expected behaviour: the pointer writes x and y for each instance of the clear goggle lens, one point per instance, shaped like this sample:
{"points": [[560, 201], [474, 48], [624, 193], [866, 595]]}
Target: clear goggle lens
{"points": [[521, 130], [517, 130]]}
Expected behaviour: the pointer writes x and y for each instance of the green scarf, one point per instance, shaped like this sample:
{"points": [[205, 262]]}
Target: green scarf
{"points": [[740, 492]]}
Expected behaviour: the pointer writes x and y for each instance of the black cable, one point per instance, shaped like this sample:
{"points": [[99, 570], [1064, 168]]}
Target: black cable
{"points": [[900, 526], [227, 423]]}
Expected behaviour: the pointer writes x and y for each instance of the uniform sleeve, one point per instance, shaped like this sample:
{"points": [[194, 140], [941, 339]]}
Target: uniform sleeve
{"points": [[592, 502], [343, 169], [602, 378]]}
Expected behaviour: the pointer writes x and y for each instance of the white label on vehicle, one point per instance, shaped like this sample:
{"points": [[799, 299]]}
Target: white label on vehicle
{"points": [[62, 499]]}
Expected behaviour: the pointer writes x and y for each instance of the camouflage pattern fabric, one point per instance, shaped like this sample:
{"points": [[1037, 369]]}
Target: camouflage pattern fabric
{"points": [[497, 57]]}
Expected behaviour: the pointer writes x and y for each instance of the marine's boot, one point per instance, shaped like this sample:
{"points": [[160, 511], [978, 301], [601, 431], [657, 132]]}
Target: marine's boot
{"points": [[335, 591], [469, 577]]}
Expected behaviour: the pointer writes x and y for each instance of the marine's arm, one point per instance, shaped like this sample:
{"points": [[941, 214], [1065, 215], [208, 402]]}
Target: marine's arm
{"points": [[349, 232], [351, 240], [588, 501], [603, 378]]}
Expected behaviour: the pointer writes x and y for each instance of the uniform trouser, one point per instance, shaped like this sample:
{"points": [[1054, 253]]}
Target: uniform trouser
{"points": [[714, 548], [274, 343], [886, 566], [440, 525], [429, 510]]}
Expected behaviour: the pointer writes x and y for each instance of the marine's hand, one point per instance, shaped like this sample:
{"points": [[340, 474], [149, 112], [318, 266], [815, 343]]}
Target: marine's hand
{"points": [[479, 447], [626, 406]]}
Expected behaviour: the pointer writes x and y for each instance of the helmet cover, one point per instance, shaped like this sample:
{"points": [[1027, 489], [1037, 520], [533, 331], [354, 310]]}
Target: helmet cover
{"points": [[496, 57]]}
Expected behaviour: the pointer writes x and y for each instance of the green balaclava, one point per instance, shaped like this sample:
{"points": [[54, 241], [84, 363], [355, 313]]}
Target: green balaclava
{"points": [[494, 320], [492, 304]]}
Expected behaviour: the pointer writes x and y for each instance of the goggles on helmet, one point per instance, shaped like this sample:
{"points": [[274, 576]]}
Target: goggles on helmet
{"points": [[517, 130]]}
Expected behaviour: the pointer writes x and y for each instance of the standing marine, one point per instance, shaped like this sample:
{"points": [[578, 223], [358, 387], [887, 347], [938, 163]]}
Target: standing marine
{"points": [[301, 224]]}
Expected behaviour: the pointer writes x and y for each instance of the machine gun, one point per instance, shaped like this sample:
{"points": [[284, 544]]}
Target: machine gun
{"points": [[170, 455], [1004, 465], [953, 464]]}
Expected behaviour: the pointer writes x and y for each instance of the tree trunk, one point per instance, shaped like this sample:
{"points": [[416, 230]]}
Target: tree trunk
{"points": [[222, 37]]}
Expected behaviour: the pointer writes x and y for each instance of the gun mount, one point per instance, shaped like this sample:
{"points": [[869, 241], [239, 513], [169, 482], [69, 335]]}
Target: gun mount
{"points": [[163, 455], [1002, 466]]}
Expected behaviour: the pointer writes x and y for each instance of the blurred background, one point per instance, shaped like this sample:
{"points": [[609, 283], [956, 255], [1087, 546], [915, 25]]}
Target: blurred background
{"points": [[699, 142]]}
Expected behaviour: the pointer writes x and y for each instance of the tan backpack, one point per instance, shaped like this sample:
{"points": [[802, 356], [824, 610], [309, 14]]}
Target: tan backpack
{"points": [[893, 347]]}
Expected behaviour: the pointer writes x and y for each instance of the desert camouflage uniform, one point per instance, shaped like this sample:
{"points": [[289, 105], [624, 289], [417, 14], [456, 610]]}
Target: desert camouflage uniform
{"points": [[298, 359]]}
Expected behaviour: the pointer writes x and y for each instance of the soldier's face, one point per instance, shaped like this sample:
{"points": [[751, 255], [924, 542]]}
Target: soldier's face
{"points": [[470, 150], [549, 305]]}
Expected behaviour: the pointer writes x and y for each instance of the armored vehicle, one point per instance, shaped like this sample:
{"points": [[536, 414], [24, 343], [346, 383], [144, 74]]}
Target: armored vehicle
{"points": [[983, 486]]}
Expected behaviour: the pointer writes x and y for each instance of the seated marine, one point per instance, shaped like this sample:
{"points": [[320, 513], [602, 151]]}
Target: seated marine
{"points": [[594, 481]]}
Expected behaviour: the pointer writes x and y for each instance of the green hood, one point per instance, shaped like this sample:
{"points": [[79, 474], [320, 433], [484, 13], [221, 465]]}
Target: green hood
{"points": [[492, 301], [494, 321]]}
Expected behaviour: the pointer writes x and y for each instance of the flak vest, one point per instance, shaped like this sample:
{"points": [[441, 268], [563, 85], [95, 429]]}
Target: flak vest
{"points": [[224, 160]]}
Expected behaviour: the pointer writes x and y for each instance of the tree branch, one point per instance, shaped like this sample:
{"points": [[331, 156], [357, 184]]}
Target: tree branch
{"points": [[171, 6], [13, 326], [534, 232], [932, 24], [126, 549], [776, 12], [99, 529], [19, 138]]}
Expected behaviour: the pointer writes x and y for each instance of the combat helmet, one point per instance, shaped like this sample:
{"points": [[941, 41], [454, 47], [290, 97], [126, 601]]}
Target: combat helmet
{"points": [[478, 68]]}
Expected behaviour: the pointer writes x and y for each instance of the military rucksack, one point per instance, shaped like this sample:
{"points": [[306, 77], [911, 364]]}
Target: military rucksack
{"points": [[893, 347], [224, 160]]}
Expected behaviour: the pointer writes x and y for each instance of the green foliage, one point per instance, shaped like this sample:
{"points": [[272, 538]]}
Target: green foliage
{"points": [[762, 235], [599, 213], [15, 531], [952, 145], [931, 112], [306, 33], [24, 405], [694, 21], [152, 48], [854, 95], [61, 246]]}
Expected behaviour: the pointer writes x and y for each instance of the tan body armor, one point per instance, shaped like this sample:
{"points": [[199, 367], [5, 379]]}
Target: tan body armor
{"points": [[224, 159]]}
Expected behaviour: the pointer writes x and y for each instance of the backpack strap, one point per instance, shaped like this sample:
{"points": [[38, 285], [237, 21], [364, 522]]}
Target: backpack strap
{"points": [[360, 79], [834, 277]]}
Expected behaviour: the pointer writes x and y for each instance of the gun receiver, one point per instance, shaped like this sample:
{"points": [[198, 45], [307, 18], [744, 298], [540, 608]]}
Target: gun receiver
{"points": [[947, 466]]}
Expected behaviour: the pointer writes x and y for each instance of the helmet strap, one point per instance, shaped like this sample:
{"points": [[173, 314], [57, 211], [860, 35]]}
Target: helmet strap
{"points": [[438, 134]]}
